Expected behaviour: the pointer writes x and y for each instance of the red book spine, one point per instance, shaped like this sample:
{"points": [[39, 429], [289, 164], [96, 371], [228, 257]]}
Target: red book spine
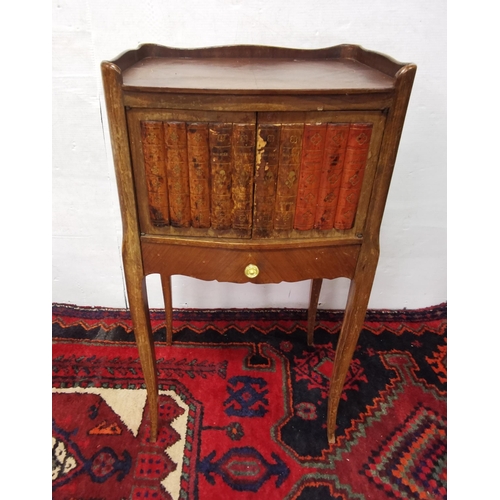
{"points": [[221, 161], [199, 174], [242, 181], [358, 145], [266, 170], [177, 173], [313, 145], [153, 148], [333, 162], [288, 175]]}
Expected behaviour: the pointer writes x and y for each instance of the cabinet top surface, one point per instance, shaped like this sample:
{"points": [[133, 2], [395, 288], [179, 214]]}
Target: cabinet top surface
{"points": [[254, 75]]}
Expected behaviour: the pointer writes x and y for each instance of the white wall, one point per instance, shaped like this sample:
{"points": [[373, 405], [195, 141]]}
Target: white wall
{"points": [[86, 221]]}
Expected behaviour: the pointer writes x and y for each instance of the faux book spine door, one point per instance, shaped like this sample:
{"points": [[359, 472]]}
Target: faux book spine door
{"points": [[314, 173], [242, 175], [193, 172]]}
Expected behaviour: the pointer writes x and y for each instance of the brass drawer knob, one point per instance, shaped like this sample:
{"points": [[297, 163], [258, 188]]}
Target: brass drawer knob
{"points": [[251, 271]]}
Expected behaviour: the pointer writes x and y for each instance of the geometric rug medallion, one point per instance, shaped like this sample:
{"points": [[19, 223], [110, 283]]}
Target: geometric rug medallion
{"points": [[115, 419]]}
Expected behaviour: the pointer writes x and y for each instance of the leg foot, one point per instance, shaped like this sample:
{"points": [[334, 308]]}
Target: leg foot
{"points": [[332, 439]]}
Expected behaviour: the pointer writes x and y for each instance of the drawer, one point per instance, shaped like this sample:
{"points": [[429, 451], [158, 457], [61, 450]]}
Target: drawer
{"points": [[255, 265]]}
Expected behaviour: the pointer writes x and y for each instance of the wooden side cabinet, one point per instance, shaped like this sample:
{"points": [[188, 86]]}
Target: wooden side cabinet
{"points": [[254, 164]]}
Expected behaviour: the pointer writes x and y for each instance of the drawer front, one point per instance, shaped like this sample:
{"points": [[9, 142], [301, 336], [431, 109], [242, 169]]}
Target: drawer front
{"points": [[250, 266]]}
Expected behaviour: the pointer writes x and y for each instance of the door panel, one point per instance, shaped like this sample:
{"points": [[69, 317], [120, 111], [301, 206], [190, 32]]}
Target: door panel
{"points": [[193, 171], [265, 175], [314, 172]]}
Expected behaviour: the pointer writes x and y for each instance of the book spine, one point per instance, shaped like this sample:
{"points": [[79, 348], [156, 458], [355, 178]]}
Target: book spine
{"points": [[153, 148], [177, 173], [313, 145], [266, 170], [242, 179], [356, 156], [199, 174], [288, 175], [220, 140], [333, 162]]}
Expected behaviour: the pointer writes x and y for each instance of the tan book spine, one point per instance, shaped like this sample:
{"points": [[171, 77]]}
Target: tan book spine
{"points": [[358, 145], [266, 170], [313, 145], [242, 179], [331, 174], [153, 148], [199, 174], [177, 173], [221, 166], [288, 175]]}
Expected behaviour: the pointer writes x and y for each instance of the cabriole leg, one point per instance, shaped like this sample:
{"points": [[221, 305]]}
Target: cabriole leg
{"points": [[139, 309], [355, 312]]}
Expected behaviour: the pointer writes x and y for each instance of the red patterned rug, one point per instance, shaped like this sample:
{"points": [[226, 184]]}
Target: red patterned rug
{"points": [[243, 408]]}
